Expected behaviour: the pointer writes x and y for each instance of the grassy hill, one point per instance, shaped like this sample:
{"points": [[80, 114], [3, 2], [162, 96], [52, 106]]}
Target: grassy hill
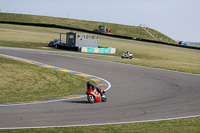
{"points": [[125, 30]]}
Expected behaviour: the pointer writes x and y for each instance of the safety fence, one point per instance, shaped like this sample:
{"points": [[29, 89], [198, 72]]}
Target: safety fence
{"points": [[96, 32]]}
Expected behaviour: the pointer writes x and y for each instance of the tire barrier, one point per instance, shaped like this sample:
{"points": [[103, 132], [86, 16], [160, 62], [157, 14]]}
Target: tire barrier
{"points": [[96, 32]]}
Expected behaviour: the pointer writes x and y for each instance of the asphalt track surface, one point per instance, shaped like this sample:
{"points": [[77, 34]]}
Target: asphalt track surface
{"points": [[137, 94]]}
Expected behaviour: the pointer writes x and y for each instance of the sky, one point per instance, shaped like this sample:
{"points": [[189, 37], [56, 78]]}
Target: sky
{"points": [[178, 19]]}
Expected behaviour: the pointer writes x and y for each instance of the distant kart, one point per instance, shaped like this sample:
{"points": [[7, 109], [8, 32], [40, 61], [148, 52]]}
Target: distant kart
{"points": [[127, 56]]}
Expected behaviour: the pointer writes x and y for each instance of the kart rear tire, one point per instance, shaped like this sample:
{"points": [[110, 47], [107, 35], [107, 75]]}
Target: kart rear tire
{"points": [[91, 98], [104, 98]]}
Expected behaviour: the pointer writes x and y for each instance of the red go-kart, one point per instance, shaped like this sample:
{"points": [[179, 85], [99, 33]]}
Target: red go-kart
{"points": [[94, 96]]}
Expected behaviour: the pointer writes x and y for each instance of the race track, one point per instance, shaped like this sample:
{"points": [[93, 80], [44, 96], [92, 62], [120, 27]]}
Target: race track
{"points": [[137, 94]]}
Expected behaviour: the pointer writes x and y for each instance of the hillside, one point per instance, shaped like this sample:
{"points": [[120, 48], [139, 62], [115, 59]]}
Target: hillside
{"points": [[124, 30]]}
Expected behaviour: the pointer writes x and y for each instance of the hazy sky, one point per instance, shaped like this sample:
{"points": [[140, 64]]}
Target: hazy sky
{"points": [[178, 19]]}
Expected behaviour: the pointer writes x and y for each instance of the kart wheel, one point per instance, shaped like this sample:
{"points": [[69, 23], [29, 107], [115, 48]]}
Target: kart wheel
{"points": [[104, 97], [130, 57], [91, 99], [122, 57]]}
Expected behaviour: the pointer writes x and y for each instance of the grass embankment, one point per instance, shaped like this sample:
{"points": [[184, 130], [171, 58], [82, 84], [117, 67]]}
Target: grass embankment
{"points": [[172, 126], [125, 30], [34, 28], [23, 82]]}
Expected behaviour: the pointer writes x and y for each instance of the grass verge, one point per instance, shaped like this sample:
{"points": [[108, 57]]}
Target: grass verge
{"points": [[25, 39], [23, 82], [173, 126]]}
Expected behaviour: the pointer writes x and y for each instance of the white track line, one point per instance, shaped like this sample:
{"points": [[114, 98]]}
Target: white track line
{"points": [[101, 124]]}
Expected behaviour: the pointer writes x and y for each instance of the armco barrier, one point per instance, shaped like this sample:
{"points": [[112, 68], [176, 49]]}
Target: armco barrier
{"points": [[95, 32]]}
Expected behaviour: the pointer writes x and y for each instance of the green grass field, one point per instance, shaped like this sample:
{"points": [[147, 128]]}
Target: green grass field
{"points": [[23, 82], [132, 31], [25, 39]]}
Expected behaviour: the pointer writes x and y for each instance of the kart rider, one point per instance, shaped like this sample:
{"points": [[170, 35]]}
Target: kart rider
{"points": [[89, 84]]}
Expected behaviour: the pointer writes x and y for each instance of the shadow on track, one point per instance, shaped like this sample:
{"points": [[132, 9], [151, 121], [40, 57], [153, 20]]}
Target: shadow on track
{"points": [[78, 102]]}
